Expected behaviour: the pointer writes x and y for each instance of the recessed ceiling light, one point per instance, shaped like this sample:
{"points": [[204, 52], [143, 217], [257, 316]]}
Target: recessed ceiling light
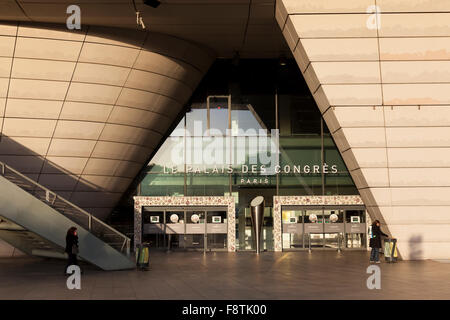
{"points": [[283, 61]]}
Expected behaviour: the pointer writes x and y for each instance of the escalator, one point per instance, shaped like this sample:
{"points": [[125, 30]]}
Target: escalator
{"points": [[35, 220]]}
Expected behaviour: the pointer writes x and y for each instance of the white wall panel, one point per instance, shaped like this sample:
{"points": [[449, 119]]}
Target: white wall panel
{"points": [[98, 73], [359, 116], [332, 25], [95, 93], [347, 72], [42, 69], [33, 108], [418, 137], [25, 164], [78, 130], [358, 49], [3, 87], [39, 48], [370, 157], [7, 46], [417, 116], [405, 49], [8, 29], [108, 54], [5, 66], [419, 158], [37, 89], [72, 165], [16, 127], [415, 24], [85, 111]]}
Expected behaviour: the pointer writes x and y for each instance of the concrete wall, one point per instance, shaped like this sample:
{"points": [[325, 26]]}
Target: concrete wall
{"points": [[384, 92], [81, 111]]}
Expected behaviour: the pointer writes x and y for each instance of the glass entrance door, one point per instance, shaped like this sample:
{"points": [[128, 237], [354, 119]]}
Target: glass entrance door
{"points": [[323, 227], [195, 230], [292, 228], [216, 230], [313, 227], [175, 229], [355, 229], [199, 229], [333, 228], [153, 233]]}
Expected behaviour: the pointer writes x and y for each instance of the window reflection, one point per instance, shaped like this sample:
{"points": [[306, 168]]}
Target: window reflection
{"points": [[196, 119], [260, 94], [171, 154], [245, 119], [218, 116]]}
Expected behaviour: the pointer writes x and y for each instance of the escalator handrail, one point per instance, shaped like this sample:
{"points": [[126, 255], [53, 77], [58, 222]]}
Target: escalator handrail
{"points": [[56, 196]]}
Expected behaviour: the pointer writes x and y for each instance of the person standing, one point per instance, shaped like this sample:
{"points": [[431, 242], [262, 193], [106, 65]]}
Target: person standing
{"points": [[375, 241], [71, 247]]}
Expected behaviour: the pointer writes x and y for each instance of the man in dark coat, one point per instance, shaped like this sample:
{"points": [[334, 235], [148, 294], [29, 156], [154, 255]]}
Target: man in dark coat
{"points": [[71, 247], [375, 241]]}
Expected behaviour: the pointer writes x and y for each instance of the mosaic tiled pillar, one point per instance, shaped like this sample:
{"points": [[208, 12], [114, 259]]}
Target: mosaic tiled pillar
{"points": [[137, 223], [277, 241], [231, 225]]}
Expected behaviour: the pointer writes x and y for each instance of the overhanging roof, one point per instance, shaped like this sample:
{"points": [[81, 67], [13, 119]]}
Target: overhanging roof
{"points": [[226, 26]]}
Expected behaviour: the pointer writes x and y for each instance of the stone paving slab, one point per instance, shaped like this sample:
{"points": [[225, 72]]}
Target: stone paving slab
{"points": [[230, 276]]}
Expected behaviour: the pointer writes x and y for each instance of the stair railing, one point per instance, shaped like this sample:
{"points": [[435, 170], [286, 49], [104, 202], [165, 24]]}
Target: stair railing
{"points": [[106, 233]]}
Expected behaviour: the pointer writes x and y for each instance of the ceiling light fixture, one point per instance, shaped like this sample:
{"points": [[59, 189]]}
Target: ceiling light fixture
{"points": [[139, 20], [151, 3]]}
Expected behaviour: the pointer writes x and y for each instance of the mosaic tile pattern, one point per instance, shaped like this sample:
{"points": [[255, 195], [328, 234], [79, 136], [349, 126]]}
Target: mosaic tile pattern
{"points": [[140, 202], [279, 201]]}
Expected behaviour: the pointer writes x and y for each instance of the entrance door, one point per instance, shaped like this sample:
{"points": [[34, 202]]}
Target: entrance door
{"points": [[195, 230], [355, 229], [175, 229], [184, 228], [292, 228], [314, 228], [333, 228], [153, 232], [323, 227], [216, 230]]}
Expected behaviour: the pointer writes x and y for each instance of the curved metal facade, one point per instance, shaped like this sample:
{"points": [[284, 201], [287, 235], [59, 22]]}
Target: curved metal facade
{"points": [[82, 111]]}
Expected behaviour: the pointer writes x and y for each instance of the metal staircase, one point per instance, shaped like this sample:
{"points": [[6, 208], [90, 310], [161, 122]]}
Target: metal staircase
{"points": [[35, 220]]}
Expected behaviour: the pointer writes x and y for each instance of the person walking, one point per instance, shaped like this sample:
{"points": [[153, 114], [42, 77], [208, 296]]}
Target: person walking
{"points": [[71, 247], [375, 241]]}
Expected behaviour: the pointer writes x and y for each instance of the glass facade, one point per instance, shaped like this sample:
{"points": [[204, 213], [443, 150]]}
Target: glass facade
{"points": [[252, 129]]}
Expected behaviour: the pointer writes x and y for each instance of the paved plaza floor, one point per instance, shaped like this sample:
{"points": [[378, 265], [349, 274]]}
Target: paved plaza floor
{"points": [[228, 276]]}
